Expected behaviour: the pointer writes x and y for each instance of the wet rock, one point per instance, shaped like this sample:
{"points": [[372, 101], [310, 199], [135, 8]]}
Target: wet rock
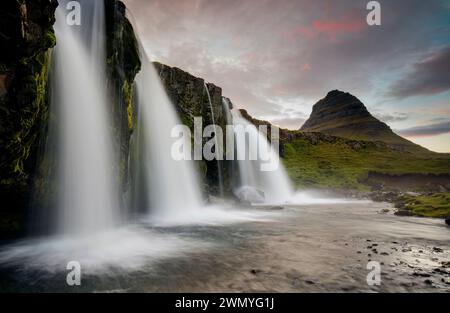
{"points": [[447, 221], [255, 271], [437, 250], [275, 208], [250, 194], [403, 213]]}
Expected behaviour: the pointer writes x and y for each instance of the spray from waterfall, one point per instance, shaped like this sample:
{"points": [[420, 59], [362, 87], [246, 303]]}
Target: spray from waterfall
{"points": [[256, 185], [87, 197]]}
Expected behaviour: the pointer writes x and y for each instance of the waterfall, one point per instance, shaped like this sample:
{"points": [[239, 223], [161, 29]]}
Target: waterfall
{"points": [[172, 188], [275, 185], [226, 109], [216, 147], [87, 197]]}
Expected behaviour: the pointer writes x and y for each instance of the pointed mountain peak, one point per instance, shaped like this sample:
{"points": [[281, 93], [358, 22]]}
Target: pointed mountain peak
{"points": [[344, 115]]}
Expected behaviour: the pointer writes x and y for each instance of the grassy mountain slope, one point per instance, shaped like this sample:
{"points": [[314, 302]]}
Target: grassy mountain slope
{"points": [[319, 160], [343, 164]]}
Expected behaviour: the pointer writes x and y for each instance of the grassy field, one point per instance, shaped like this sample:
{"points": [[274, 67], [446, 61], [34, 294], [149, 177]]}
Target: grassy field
{"points": [[434, 205], [339, 165]]}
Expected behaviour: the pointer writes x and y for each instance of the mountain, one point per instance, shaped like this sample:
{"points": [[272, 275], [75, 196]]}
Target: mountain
{"points": [[342, 114]]}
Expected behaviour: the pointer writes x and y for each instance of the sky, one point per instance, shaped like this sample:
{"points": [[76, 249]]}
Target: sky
{"points": [[277, 58]]}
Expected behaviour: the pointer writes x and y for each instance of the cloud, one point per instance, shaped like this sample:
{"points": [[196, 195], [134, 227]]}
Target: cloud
{"points": [[427, 77], [265, 53], [293, 123], [426, 130], [391, 117]]}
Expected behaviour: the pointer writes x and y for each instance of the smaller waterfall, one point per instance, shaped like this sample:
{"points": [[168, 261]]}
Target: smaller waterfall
{"points": [[172, 186], [227, 110], [275, 185], [219, 163]]}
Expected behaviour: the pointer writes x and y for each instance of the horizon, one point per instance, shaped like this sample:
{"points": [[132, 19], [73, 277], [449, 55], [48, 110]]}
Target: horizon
{"points": [[278, 59]]}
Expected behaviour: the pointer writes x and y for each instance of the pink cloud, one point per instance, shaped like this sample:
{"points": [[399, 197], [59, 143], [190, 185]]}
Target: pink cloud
{"points": [[350, 23], [347, 24]]}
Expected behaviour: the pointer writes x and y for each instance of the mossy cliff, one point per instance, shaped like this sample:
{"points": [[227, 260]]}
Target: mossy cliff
{"points": [[123, 64], [26, 37], [189, 95]]}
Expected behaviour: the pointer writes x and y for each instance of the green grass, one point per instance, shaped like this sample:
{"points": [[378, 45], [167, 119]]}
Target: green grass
{"points": [[337, 165], [435, 205]]}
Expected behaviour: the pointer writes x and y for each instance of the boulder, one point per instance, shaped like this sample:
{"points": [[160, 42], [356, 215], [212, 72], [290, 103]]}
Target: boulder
{"points": [[249, 194]]}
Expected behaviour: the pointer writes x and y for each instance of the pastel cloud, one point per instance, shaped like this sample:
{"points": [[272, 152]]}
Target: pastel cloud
{"points": [[269, 55]]}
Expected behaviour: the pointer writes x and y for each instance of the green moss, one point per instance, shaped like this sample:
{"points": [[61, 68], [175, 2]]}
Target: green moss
{"points": [[128, 98], [36, 89], [49, 38], [434, 205], [187, 120]]}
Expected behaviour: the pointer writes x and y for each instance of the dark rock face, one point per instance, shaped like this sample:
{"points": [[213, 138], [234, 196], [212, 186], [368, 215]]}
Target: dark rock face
{"points": [[336, 105], [189, 95], [27, 36], [342, 114], [123, 63]]}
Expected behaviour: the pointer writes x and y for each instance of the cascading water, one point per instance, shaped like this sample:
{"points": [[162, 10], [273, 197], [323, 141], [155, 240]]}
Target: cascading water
{"points": [[226, 109], [172, 186], [87, 198], [219, 165], [275, 184]]}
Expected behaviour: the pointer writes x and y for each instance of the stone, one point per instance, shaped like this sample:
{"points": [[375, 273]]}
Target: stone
{"points": [[250, 194]]}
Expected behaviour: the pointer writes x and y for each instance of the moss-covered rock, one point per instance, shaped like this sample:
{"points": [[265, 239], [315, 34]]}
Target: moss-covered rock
{"points": [[27, 36], [189, 95], [123, 63]]}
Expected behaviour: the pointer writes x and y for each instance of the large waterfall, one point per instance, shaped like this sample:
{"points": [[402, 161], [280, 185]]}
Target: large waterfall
{"points": [[172, 188], [274, 184], [87, 198]]}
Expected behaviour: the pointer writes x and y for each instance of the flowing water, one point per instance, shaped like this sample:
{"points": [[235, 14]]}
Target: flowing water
{"points": [[275, 183], [172, 186], [87, 198], [308, 248]]}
